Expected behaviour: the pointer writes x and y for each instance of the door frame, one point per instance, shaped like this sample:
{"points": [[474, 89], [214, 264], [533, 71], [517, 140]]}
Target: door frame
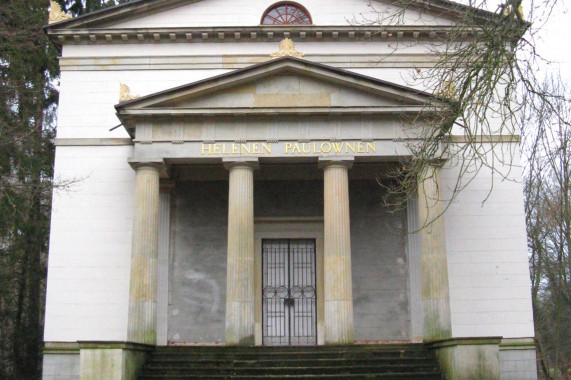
{"points": [[288, 228]]}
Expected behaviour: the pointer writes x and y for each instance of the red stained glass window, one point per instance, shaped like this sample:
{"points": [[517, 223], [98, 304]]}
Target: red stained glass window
{"points": [[286, 13]]}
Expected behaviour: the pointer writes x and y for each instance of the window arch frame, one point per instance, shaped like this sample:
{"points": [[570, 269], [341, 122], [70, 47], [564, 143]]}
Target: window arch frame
{"points": [[281, 3]]}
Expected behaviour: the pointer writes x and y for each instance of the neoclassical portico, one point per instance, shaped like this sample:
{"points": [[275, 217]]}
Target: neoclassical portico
{"points": [[173, 128], [240, 293]]}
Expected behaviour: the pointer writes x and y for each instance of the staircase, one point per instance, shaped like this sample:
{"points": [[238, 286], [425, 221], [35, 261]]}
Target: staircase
{"points": [[407, 361]]}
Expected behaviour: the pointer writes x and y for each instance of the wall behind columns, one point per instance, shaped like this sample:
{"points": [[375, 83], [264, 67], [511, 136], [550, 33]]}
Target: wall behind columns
{"points": [[297, 198], [198, 270], [197, 289], [379, 265]]}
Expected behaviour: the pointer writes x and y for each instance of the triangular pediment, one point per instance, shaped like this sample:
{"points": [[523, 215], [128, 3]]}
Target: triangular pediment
{"points": [[281, 86], [204, 13], [287, 89]]}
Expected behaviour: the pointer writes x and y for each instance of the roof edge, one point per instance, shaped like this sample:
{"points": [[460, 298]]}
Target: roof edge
{"points": [[132, 9], [238, 72]]}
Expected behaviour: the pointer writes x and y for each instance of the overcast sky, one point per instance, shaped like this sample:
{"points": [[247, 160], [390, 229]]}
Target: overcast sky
{"points": [[554, 41]]}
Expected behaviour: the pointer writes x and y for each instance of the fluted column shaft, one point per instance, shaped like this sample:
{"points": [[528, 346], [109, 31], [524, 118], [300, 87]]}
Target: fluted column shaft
{"points": [[240, 264], [143, 282], [434, 266], [338, 290]]}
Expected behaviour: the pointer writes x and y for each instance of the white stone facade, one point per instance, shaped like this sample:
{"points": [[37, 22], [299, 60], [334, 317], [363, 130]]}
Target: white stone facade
{"points": [[90, 257]]}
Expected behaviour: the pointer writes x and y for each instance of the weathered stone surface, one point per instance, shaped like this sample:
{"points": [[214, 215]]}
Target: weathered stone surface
{"points": [[379, 265], [199, 231], [111, 360], [141, 326], [338, 290], [469, 358]]}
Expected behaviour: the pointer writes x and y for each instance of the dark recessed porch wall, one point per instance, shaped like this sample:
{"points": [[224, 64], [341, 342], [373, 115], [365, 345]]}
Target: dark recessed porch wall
{"points": [[197, 279], [197, 275], [379, 263]]}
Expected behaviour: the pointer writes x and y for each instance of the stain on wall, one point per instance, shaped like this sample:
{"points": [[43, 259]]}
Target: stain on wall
{"points": [[197, 289]]}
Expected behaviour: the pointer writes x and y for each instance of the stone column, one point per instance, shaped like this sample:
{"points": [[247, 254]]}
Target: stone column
{"points": [[143, 286], [338, 292], [240, 267], [433, 262]]}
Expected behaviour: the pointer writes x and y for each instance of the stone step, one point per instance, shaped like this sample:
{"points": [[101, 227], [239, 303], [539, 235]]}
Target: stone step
{"points": [[322, 362], [245, 355], [399, 376], [315, 370], [281, 362], [264, 349]]}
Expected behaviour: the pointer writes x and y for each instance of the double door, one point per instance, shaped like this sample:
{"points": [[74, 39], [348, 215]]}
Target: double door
{"points": [[289, 307]]}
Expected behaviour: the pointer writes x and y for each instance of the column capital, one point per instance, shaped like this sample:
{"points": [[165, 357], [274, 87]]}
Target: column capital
{"points": [[158, 164], [343, 161], [232, 162]]}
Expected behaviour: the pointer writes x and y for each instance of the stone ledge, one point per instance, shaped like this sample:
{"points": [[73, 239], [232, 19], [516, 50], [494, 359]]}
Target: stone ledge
{"points": [[93, 141], [69, 348], [468, 341], [517, 344], [102, 345]]}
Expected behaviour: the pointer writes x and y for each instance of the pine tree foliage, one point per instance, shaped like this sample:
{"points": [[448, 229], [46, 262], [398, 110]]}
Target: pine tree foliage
{"points": [[79, 7], [28, 100], [28, 67]]}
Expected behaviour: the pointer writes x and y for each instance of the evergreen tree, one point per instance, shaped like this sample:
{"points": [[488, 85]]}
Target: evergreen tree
{"points": [[28, 67], [28, 100], [79, 7]]}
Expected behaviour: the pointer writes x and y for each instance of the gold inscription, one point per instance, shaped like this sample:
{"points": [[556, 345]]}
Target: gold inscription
{"points": [[260, 149], [343, 147]]}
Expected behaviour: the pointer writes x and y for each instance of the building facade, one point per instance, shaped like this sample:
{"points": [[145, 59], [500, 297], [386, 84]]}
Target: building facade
{"points": [[240, 200]]}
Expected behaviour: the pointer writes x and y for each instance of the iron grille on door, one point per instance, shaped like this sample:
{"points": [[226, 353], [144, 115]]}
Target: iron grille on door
{"points": [[289, 312]]}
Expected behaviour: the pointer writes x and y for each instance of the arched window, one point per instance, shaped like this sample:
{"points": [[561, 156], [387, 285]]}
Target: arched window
{"points": [[286, 13]]}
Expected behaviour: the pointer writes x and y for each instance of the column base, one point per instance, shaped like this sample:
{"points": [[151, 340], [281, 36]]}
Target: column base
{"points": [[468, 358], [237, 313], [339, 322], [112, 360]]}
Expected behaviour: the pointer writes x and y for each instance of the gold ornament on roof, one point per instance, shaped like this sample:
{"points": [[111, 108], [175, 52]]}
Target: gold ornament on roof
{"points": [[287, 49], [125, 93], [448, 90], [510, 10], [56, 14]]}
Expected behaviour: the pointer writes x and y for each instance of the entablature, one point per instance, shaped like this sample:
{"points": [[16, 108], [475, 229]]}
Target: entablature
{"points": [[285, 108], [263, 33]]}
